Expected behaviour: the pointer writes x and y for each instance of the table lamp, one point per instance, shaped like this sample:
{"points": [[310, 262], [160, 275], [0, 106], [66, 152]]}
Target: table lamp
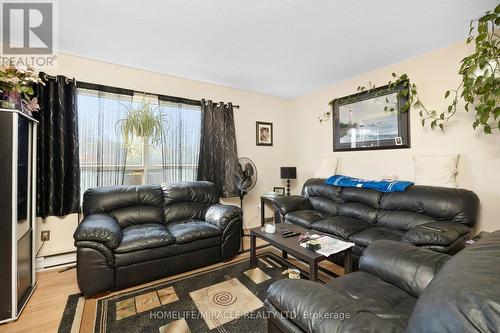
{"points": [[288, 173]]}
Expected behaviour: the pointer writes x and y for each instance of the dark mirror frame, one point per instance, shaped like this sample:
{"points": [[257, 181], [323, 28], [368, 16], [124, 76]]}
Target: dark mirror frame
{"points": [[403, 118]]}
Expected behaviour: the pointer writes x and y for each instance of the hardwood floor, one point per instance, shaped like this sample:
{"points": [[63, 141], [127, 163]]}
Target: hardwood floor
{"points": [[44, 311]]}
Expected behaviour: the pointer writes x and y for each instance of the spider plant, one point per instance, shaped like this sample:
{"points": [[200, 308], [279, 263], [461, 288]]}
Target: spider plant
{"points": [[141, 122]]}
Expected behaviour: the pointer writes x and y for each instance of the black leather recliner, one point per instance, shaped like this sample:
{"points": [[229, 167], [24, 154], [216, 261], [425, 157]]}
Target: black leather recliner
{"points": [[135, 234], [362, 216], [399, 288]]}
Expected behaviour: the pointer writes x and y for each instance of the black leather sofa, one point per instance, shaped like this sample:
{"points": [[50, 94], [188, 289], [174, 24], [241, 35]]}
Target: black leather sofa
{"points": [[362, 216], [399, 288], [134, 234]]}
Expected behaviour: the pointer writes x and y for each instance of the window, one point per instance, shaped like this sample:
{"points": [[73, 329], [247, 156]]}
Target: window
{"points": [[104, 159]]}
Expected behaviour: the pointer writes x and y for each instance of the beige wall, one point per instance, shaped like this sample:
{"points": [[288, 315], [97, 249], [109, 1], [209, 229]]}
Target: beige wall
{"points": [[253, 107], [299, 139], [434, 73]]}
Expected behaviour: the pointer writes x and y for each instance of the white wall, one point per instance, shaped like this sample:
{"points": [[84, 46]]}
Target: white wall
{"points": [[253, 107], [434, 73]]}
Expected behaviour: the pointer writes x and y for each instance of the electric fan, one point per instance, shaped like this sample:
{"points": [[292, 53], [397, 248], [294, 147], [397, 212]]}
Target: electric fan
{"points": [[246, 178]]}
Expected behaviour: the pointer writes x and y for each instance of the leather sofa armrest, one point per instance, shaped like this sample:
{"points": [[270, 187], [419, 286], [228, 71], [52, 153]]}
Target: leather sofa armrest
{"points": [[220, 215], [436, 233], [408, 267], [304, 303], [101, 228], [292, 203]]}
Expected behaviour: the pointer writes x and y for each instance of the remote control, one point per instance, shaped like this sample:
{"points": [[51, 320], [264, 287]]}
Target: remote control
{"points": [[291, 235]]}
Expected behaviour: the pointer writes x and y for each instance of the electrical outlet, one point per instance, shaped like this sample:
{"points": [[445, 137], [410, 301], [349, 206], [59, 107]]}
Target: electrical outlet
{"points": [[45, 236]]}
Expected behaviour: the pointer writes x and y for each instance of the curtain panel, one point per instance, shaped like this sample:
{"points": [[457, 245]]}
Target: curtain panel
{"points": [[58, 167], [103, 155], [218, 153]]}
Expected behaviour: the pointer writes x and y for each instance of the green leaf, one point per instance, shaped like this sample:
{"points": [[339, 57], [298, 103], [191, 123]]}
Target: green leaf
{"points": [[496, 112], [441, 126], [447, 94], [497, 9], [441, 116], [423, 122], [480, 37], [487, 129]]}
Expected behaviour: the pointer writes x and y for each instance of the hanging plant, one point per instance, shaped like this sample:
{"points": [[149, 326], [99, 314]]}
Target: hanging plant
{"points": [[480, 72], [141, 122], [480, 86]]}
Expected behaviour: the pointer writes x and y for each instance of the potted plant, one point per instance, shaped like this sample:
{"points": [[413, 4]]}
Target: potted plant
{"points": [[16, 88], [142, 122]]}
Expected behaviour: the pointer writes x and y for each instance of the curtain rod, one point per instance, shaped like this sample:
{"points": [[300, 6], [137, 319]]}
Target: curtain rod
{"points": [[87, 85]]}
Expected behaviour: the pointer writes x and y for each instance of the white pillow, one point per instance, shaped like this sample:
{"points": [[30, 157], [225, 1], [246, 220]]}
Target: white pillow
{"points": [[436, 170], [327, 168]]}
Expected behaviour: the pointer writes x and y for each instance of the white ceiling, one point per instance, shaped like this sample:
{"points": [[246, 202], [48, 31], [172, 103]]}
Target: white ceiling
{"points": [[284, 48]]}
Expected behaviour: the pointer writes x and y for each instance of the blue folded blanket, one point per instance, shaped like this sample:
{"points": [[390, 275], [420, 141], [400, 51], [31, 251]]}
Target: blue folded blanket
{"points": [[378, 185]]}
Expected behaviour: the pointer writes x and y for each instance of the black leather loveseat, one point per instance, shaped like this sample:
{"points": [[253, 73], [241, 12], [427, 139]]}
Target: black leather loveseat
{"points": [[135, 234], [362, 216], [399, 288]]}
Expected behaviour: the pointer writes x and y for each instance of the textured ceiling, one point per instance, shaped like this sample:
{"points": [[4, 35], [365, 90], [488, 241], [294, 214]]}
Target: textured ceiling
{"points": [[284, 48]]}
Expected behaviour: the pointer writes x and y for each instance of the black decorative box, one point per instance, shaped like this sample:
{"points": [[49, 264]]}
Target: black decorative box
{"points": [[313, 245]]}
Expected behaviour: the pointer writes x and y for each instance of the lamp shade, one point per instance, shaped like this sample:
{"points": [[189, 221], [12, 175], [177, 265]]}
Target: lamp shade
{"points": [[288, 172]]}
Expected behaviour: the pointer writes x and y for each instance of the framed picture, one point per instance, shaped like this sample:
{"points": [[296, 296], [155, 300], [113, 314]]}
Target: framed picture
{"points": [[371, 120], [264, 135], [279, 190]]}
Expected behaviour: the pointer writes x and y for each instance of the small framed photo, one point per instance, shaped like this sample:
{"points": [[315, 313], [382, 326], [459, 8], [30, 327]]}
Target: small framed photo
{"points": [[264, 134], [279, 190]]}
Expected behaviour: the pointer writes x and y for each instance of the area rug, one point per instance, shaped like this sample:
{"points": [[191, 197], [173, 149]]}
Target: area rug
{"points": [[226, 298]]}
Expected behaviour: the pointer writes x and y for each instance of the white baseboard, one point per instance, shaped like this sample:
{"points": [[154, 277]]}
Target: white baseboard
{"points": [[59, 260]]}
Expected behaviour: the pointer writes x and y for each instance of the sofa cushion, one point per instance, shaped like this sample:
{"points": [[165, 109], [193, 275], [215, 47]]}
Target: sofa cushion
{"points": [[366, 237], [381, 305], [449, 204], [188, 200], [316, 187], [324, 204], [358, 211], [402, 219], [341, 226], [465, 294], [129, 205], [191, 230], [144, 236], [130, 258], [306, 217], [361, 195]]}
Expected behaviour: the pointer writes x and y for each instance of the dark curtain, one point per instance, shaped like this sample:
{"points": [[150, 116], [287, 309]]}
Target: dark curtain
{"points": [[58, 168], [218, 154]]}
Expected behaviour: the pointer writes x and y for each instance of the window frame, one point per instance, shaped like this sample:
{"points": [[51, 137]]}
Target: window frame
{"points": [[146, 166]]}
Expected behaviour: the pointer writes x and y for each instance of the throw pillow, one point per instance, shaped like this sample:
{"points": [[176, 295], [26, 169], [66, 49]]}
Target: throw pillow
{"points": [[327, 168], [436, 170]]}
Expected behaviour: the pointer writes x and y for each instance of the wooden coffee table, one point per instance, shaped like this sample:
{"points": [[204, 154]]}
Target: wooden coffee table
{"points": [[291, 246]]}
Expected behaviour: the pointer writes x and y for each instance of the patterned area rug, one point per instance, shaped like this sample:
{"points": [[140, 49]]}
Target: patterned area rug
{"points": [[227, 298]]}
